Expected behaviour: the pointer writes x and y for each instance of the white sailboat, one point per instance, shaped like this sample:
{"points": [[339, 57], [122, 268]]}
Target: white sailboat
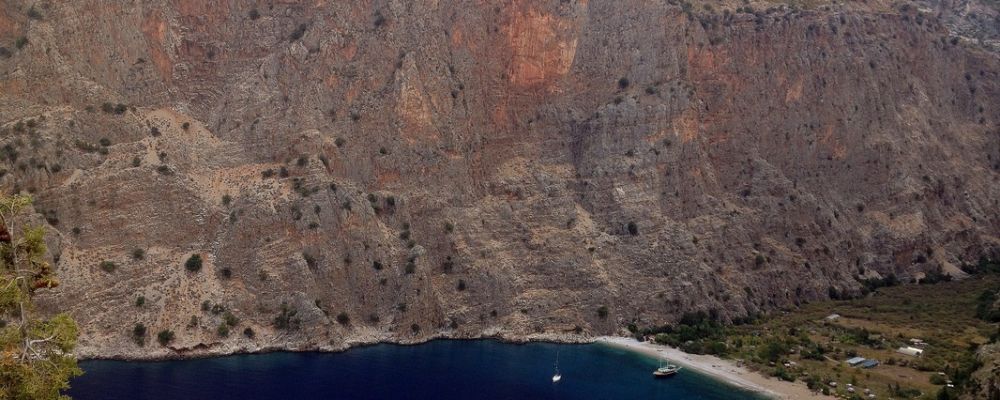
{"points": [[557, 377], [666, 370]]}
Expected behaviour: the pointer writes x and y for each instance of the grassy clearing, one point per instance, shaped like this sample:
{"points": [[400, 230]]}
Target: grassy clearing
{"points": [[804, 345]]}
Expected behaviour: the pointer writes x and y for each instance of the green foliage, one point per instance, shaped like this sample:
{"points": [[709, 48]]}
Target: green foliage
{"points": [[36, 359], [343, 318], [193, 264], [138, 254], [986, 308], [222, 330], [139, 334], [633, 229], [287, 319], [935, 275], [34, 14], [602, 312], [165, 337], [140, 301], [230, 319], [985, 265], [108, 266]]}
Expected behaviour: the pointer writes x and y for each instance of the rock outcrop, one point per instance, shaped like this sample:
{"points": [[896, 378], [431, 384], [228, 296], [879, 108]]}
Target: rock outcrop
{"points": [[393, 171]]}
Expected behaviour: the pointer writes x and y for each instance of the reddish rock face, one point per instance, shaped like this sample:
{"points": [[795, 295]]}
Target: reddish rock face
{"points": [[554, 158]]}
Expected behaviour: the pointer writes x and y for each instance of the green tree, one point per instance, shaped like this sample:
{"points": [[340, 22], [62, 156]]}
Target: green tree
{"points": [[36, 360], [193, 264]]}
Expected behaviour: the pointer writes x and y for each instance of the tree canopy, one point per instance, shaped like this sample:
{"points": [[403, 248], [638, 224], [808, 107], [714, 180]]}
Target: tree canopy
{"points": [[36, 359]]}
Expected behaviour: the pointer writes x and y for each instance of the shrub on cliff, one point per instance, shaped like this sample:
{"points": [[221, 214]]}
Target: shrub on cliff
{"points": [[633, 229], [139, 334], [222, 330], [108, 266], [165, 337], [343, 318], [193, 263], [287, 319]]}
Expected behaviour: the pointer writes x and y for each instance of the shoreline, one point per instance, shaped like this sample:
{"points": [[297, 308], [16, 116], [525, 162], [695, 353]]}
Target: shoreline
{"points": [[181, 354], [724, 370]]}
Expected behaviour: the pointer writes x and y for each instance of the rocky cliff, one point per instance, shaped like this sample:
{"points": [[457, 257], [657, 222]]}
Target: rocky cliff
{"points": [[392, 170]]}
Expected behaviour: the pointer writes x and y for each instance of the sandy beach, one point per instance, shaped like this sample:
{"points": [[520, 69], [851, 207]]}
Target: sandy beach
{"points": [[722, 369]]}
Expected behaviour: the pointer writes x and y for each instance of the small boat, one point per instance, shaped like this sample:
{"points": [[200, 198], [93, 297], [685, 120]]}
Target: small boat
{"points": [[557, 377], [666, 370]]}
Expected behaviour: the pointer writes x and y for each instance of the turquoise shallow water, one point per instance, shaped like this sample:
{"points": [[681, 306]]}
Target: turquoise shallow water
{"points": [[441, 369]]}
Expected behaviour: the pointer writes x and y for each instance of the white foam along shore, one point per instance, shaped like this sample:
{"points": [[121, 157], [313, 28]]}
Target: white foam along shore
{"points": [[721, 369]]}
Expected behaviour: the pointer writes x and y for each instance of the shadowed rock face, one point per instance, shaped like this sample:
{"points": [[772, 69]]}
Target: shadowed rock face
{"points": [[449, 168]]}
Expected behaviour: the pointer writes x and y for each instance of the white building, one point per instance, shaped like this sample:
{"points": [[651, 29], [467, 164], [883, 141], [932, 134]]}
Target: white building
{"points": [[910, 351]]}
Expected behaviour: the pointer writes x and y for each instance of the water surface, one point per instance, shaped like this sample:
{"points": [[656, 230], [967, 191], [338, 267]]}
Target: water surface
{"points": [[441, 369]]}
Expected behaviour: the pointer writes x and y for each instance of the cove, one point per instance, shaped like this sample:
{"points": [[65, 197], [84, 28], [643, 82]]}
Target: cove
{"points": [[440, 369]]}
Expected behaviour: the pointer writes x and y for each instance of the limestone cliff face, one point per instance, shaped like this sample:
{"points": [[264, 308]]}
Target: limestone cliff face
{"points": [[397, 170]]}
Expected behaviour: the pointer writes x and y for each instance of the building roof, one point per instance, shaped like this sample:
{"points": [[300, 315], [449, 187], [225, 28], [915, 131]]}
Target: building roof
{"points": [[856, 360], [869, 364]]}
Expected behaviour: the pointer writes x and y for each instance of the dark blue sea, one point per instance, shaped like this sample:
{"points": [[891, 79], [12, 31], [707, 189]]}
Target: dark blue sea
{"points": [[441, 369]]}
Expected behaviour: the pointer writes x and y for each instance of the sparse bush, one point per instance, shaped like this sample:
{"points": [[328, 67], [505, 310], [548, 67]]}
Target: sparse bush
{"points": [[339, 142], [108, 266], [248, 332], [623, 83], [138, 254], [254, 15], [633, 229], [287, 319], [193, 263], [140, 301], [310, 259], [33, 13], [602, 312], [165, 337], [298, 32], [21, 42], [343, 318], [759, 260], [222, 330], [227, 199], [105, 142], [139, 334], [461, 285], [449, 227], [136, 161], [186, 126]]}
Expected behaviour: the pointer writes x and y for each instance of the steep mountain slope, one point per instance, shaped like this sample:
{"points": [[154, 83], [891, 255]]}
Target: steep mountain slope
{"points": [[360, 171]]}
